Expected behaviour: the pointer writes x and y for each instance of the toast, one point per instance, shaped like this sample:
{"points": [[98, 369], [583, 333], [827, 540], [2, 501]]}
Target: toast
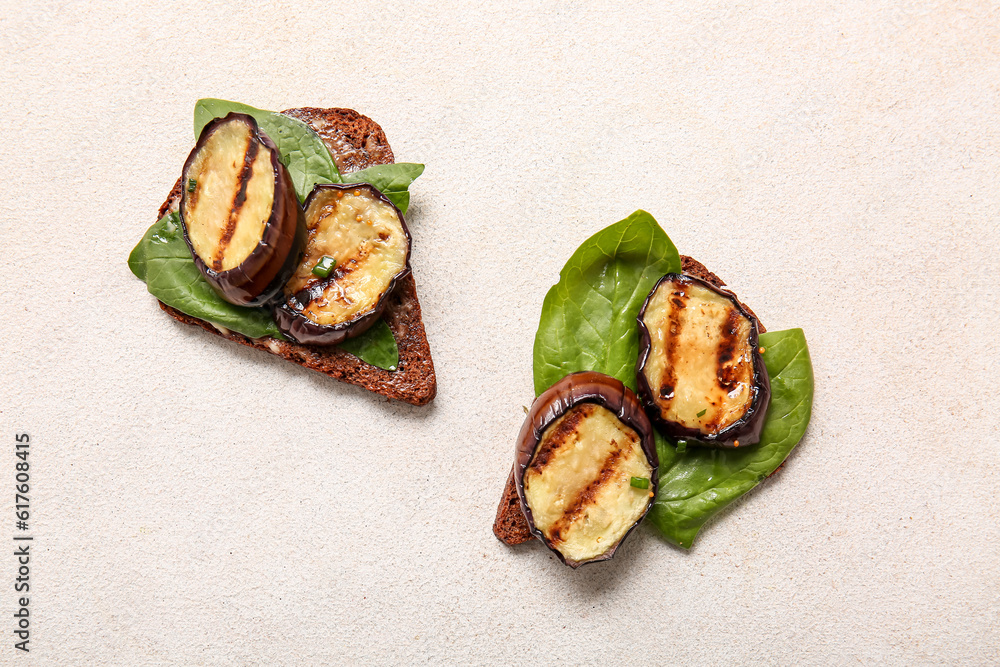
{"points": [[356, 142], [510, 525]]}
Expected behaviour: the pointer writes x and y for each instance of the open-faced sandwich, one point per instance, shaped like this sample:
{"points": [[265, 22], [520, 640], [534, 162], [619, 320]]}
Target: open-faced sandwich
{"points": [[659, 394], [286, 232]]}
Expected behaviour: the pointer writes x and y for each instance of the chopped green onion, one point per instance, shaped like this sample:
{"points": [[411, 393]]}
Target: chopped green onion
{"points": [[702, 413], [682, 446], [192, 184], [640, 482], [324, 266]]}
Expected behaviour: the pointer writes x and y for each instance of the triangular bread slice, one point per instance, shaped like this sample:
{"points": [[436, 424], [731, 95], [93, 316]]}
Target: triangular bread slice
{"points": [[510, 526], [356, 142]]}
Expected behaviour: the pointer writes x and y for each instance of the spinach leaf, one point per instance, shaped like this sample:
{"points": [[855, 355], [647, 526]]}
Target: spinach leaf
{"points": [[163, 260], [699, 482], [393, 180], [302, 151], [137, 258], [588, 319], [376, 346]]}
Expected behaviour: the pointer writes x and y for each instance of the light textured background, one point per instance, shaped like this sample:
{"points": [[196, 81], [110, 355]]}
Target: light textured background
{"points": [[199, 503]]}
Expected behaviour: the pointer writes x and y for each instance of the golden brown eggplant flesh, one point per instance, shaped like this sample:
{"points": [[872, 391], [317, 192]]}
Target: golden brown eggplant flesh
{"points": [[700, 373], [584, 440], [239, 212], [366, 236]]}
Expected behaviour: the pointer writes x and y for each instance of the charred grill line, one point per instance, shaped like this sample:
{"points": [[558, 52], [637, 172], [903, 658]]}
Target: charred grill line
{"points": [[317, 288], [726, 375], [586, 497], [679, 299], [723, 373], [559, 437], [243, 180]]}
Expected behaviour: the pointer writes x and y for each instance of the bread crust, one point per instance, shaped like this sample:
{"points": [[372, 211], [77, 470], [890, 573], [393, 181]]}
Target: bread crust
{"points": [[356, 142], [510, 526]]}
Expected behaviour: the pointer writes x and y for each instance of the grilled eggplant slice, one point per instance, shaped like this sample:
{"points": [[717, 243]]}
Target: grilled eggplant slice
{"points": [[239, 213], [700, 372], [586, 469], [366, 237]]}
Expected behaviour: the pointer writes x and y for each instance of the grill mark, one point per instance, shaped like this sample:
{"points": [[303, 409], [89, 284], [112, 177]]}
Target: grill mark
{"points": [[316, 288], [586, 497], [562, 435], [727, 375], [679, 298], [243, 180], [304, 273]]}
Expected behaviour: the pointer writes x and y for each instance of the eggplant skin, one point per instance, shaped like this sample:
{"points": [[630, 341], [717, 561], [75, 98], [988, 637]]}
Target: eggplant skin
{"points": [[573, 390], [744, 431], [289, 315], [259, 278]]}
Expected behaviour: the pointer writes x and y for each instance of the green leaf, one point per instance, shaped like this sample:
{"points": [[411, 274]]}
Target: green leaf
{"points": [[137, 258], [588, 319], [400, 200], [302, 151], [375, 346], [391, 179], [163, 260], [699, 482]]}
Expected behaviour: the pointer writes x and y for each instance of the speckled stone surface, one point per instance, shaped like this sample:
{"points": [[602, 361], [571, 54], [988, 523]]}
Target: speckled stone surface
{"points": [[195, 502]]}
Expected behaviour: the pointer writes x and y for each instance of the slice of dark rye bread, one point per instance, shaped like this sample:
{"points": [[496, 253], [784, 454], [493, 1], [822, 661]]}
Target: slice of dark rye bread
{"points": [[510, 526], [356, 142]]}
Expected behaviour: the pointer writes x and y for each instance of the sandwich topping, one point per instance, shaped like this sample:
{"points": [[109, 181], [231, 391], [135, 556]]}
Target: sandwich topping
{"points": [[239, 213], [578, 484], [700, 371], [358, 238], [586, 470], [629, 305]]}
